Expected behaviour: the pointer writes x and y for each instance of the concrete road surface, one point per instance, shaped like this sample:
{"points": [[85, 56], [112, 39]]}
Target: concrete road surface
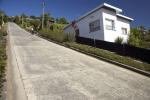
{"points": [[41, 70]]}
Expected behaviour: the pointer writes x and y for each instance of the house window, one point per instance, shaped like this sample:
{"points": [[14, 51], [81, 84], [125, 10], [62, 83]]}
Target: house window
{"points": [[94, 26], [124, 31], [110, 24]]}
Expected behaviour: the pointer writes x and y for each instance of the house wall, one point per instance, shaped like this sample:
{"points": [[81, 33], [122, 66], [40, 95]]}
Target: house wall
{"points": [[122, 23], [111, 35], [69, 29], [84, 28], [103, 33]]}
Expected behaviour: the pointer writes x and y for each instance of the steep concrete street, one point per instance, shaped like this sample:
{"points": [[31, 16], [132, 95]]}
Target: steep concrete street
{"points": [[41, 70]]}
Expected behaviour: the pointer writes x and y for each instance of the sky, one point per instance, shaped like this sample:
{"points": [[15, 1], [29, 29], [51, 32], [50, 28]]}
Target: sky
{"points": [[139, 10]]}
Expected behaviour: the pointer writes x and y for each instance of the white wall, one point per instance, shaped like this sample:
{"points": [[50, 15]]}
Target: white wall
{"points": [[69, 29], [84, 28], [121, 23], [111, 35], [103, 33]]}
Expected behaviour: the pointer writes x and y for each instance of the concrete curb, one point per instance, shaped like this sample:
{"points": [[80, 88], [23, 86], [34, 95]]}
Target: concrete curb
{"points": [[145, 73], [17, 91], [9, 72]]}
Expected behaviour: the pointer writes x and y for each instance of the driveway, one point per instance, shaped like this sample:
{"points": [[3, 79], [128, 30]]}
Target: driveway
{"points": [[42, 70]]}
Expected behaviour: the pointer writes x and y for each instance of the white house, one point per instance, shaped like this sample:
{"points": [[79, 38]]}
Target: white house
{"points": [[102, 23]]}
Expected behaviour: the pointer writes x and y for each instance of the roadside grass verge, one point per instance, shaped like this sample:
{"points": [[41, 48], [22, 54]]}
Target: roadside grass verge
{"points": [[53, 35], [3, 57], [110, 55], [60, 37]]}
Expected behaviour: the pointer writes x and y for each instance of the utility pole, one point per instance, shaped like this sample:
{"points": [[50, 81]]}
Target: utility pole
{"points": [[43, 7], [22, 20]]}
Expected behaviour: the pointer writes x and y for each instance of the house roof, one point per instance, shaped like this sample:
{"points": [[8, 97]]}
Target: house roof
{"points": [[104, 5], [118, 10], [125, 17]]}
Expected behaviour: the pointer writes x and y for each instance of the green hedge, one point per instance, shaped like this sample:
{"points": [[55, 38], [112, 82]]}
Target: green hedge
{"points": [[111, 56]]}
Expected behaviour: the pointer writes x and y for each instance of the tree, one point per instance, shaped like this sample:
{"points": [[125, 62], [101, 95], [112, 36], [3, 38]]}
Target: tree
{"points": [[135, 39], [141, 27], [46, 20], [5, 18], [1, 17], [23, 15], [147, 37], [17, 19], [35, 23], [149, 30], [57, 20], [23, 19], [33, 17], [62, 21], [1, 13], [10, 18]]}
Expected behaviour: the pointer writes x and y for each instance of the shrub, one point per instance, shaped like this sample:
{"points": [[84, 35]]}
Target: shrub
{"points": [[53, 35], [35, 24], [57, 27], [119, 40], [69, 37], [58, 36], [2, 74], [136, 38], [2, 65], [3, 56], [2, 52], [3, 31]]}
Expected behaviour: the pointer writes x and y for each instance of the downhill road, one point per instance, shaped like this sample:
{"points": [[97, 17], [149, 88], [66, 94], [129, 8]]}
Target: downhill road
{"points": [[42, 70]]}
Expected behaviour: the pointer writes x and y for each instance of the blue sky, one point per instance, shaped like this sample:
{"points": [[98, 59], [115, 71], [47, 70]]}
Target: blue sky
{"points": [[71, 9]]}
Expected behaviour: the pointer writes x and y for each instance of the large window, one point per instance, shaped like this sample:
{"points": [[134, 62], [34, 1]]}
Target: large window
{"points": [[94, 26], [110, 24], [124, 31]]}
